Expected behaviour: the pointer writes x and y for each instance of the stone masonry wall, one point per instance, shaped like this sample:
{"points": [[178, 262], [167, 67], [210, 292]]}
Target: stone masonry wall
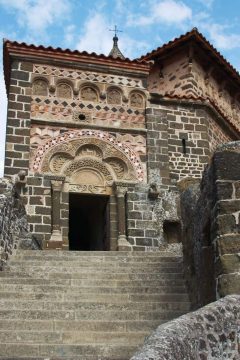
{"points": [[211, 231], [211, 332], [13, 220], [18, 124]]}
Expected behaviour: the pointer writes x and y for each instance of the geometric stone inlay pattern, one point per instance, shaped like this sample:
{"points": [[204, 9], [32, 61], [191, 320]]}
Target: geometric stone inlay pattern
{"points": [[85, 75], [64, 138]]}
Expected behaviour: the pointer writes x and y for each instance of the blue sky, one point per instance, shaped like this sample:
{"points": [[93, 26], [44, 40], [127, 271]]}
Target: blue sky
{"points": [[84, 25]]}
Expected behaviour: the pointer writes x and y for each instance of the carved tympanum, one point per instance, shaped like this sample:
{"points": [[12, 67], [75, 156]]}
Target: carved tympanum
{"points": [[118, 167], [40, 87], [64, 91], [88, 93], [114, 97], [136, 100], [89, 150]]}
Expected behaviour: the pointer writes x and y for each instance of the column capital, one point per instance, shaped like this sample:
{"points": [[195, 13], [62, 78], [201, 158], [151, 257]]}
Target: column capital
{"points": [[57, 185]]}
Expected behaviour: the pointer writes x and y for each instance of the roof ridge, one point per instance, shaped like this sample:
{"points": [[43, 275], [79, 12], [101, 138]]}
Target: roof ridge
{"points": [[187, 35], [69, 51]]}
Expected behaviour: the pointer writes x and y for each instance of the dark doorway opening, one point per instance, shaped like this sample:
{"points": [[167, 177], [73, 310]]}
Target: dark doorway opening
{"points": [[88, 222]]}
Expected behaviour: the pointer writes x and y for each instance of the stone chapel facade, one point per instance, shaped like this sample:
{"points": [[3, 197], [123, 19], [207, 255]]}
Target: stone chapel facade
{"points": [[99, 144]]}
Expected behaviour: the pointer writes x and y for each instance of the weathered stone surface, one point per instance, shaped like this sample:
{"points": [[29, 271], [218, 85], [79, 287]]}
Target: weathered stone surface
{"points": [[229, 284], [211, 332]]}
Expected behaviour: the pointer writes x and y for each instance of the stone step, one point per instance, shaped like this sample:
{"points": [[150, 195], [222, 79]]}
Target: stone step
{"points": [[80, 337], [100, 275], [87, 325], [112, 298], [98, 260], [79, 268], [147, 289], [8, 304], [70, 352], [90, 282], [95, 254], [106, 315]]}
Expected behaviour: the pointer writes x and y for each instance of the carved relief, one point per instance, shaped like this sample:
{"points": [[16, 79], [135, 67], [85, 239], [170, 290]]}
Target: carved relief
{"points": [[40, 87], [75, 148], [89, 150], [136, 100], [64, 91], [57, 161], [114, 97], [88, 93], [88, 171], [118, 167]]}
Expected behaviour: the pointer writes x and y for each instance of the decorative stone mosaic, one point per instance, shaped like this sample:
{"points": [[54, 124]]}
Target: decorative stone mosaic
{"points": [[87, 76]]}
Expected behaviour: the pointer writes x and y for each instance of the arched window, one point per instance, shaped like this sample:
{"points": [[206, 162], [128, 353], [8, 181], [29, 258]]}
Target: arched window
{"points": [[64, 91], [40, 87], [88, 93], [114, 96]]}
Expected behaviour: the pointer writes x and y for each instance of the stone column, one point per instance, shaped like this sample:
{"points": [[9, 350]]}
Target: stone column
{"points": [[123, 244], [56, 237]]}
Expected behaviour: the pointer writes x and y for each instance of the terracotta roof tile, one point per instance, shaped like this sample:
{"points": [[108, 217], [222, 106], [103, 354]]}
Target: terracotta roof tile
{"points": [[193, 34]]}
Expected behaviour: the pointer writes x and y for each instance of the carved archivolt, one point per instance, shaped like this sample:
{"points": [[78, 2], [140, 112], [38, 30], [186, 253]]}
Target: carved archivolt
{"points": [[90, 156]]}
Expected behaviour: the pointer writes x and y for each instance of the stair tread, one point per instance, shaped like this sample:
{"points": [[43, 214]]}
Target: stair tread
{"points": [[86, 305]]}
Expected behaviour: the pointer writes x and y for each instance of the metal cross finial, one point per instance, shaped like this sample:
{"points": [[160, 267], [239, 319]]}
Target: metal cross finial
{"points": [[115, 30]]}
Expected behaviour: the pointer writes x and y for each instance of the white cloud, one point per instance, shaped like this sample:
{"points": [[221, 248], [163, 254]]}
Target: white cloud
{"points": [[220, 38], [37, 15], [96, 37], [97, 27], [166, 12]]}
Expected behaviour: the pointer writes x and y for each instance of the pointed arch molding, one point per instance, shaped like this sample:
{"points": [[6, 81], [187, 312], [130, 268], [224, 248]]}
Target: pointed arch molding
{"points": [[70, 146]]}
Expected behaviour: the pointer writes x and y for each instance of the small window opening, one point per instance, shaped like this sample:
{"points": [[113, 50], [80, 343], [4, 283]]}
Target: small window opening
{"points": [[82, 117], [184, 150]]}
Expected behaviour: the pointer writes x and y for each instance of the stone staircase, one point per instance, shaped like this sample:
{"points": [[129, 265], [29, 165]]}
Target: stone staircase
{"points": [[86, 305]]}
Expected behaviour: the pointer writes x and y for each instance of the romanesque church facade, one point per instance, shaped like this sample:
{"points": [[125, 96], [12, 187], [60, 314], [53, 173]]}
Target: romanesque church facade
{"points": [[100, 146]]}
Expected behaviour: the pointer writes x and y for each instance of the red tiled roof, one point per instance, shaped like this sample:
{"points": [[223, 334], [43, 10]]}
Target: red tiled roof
{"points": [[195, 35], [11, 48]]}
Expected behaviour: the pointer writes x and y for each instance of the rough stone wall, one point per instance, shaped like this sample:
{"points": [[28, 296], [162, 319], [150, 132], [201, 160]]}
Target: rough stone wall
{"points": [[146, 216], [211, 232], [14, 229], [211, 332], [216, 135], [226, 218]]}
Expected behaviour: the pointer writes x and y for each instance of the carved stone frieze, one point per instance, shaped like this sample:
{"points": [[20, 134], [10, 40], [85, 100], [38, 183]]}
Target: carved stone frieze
{"points": [[88, 93], [114, 97], [86, 188], [136, 100], [40, 87], [64, 90]]}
